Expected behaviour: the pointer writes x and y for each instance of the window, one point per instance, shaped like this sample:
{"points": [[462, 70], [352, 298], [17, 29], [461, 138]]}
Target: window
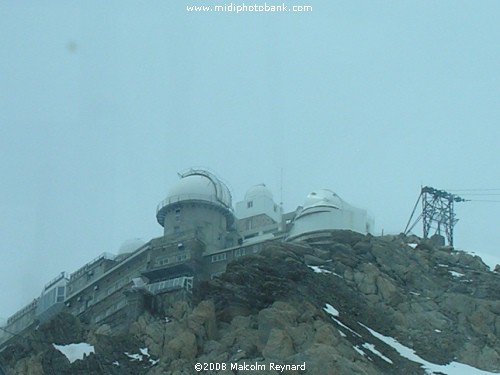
{"points": [[248, 224], [239, 252], [249, 204], [181, 257], [219, 257]]}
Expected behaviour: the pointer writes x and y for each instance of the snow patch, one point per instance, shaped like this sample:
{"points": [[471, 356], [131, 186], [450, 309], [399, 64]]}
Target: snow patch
{"points": [[75, 352], [319, 269], [453, 368], [342, 333], [371, 348], [359, 350], [456, 274], [331, 310], [140, 357]]}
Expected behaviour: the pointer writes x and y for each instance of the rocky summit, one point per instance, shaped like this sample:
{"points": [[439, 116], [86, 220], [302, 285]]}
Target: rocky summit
{"points": [[339, 303]]}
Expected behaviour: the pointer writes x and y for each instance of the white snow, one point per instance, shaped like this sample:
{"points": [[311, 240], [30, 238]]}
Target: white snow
{"points": [[415, 293], [453, 368], [331, 310], [319, 269], [322, 270], [359, 350], [334, 313], [456, 274], [437, 330], [140, 357], [371, 348], [116, 363], [342, 333], [75, 352], [134, 357], [413, 245]]}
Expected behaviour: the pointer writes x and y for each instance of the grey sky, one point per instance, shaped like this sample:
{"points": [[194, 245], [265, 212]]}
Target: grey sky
{"points": [[102, 103]]}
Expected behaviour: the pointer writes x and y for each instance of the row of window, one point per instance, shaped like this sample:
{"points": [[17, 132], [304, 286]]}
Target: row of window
{"points": [[219, 257], [183, 282]]}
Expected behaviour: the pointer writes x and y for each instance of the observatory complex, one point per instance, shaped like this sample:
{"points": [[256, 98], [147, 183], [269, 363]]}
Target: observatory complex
{"points": [[202, 233]]}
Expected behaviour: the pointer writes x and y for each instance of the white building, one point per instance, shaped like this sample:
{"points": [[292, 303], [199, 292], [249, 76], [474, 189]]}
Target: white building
{"points": [[258, 214], [325, 210]]}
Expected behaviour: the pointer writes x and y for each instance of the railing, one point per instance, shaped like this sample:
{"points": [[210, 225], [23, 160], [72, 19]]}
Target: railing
{"points": [[78, 272], [62, 275], [185, 197]]}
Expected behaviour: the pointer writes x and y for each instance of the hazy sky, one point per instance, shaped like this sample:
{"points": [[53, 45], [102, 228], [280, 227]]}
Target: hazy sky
{"points": [[102, 103]]}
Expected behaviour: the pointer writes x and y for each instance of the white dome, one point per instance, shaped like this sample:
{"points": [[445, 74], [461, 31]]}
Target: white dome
{"points": [[196, 185], [323, 197], [258, 191], [193, 187], [130, 246]]}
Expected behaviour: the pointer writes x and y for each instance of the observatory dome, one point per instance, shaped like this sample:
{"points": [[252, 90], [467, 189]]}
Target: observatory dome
{"points": [[199, 187], [258, 191], [323, 197], [130, 246]]}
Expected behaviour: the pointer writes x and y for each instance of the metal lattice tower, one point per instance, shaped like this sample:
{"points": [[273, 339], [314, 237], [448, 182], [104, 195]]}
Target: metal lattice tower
{"points": [[438, 215]]}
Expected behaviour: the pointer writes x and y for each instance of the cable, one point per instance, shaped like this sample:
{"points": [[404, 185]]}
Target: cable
{"points": [[482, 194], [484, 200], [472, 190]]}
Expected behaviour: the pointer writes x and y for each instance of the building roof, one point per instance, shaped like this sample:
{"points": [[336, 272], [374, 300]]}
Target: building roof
{"points": [[323, 197], [258, 191]]}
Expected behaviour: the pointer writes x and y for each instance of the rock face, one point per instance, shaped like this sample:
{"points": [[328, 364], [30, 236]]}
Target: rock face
{"points": [[319, 302]]}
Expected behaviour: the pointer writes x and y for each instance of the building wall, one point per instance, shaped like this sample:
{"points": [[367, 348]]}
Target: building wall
{"points": [[207, 220], [90, 272]]}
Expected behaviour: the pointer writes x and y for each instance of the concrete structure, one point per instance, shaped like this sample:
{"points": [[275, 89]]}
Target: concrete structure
{"points": [[201, 236]]}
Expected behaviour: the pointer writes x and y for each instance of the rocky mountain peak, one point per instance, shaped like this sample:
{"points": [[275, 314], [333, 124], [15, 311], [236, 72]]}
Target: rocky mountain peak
{"points": [[342, 303]]}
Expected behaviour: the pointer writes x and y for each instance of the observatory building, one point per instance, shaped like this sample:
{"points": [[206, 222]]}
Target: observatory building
{"points": [[201, 235], [324, 210], [199, 203]]}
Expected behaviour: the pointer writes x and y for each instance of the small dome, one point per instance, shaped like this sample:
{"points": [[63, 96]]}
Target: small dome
{"points": [[258, 191], [323, 197], [130, 246]]}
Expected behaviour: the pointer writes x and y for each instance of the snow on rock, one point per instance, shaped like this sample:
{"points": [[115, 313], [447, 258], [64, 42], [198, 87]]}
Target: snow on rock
{"points": [[75, 352], [134, 357], [140, 357], [322, 270], [319, 269], [331, 310], [359, 350], [453, 368], [456, 274], [371, 348]]}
